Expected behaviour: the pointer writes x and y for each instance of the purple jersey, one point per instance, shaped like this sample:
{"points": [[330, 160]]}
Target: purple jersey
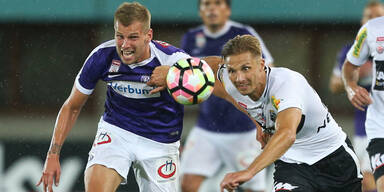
{"points": [[128, 103], [216, 114], [360, 116]]}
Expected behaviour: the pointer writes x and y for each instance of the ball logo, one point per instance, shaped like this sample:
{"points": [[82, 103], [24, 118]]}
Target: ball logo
{"points": [[167, 170]]}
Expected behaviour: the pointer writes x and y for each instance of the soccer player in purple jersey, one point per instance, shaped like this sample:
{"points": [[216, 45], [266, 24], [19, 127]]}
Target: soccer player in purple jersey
{"points": [[372, 10], [223, 136], [137, 129]]}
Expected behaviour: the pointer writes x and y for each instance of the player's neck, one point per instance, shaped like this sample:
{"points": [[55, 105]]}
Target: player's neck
{"points": [[215, 28]]}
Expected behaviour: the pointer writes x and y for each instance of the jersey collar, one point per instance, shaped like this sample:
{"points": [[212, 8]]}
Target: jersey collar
{"points": [[142, 63], [219, 33]]}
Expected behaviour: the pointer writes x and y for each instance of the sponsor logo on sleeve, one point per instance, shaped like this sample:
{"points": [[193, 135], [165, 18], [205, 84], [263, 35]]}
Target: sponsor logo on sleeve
{"points": [[359, 42]]}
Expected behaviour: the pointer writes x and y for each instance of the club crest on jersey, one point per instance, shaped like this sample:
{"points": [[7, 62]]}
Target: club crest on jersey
{"points": [[283, 186], [166, 168], [115, 65], [200, 40], [275, 102], [380, 49]]}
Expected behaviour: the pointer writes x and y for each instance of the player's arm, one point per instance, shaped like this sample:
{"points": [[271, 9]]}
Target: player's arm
{"points": [[66, 119], [285, 135], [357, 95]]}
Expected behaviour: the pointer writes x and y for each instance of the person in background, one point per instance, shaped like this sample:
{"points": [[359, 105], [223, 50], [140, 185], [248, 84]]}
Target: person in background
{"points": [[369, 43], [372, 10], [223, 136]]}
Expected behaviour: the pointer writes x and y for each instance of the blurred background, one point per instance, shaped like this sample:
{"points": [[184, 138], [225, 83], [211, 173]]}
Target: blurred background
{"points": [[43, 44]]}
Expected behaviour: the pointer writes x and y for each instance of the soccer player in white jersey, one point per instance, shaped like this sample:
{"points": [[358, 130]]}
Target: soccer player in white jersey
{"points": [[369, 43], [219, 141], [137, 129], [310, 151], [360, 142]]}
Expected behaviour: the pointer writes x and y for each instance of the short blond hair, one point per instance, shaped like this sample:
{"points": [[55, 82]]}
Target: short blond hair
{"points": [[242, 44], [127, 13]]}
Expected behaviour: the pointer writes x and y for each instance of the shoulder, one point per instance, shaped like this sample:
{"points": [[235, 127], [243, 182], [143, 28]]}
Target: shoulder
{"points": [[164, 47], [166, 53], [104, 50], [242, 28], [376, 22], [283, 78]]}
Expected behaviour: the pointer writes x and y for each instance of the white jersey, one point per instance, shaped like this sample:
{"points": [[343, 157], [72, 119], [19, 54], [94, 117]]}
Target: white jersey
{"points": [[370, 42], [318, 134]]}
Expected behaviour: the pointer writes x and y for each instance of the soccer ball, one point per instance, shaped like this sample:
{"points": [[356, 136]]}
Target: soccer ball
{"points": [[190, 81]]}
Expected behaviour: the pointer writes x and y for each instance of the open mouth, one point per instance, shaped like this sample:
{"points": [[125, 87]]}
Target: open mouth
{"points": [[127, 54]]}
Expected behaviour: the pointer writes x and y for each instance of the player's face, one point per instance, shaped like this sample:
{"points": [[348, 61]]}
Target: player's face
{"points": [[132, 43], [372, 12], [247, 74], [214, 13]]}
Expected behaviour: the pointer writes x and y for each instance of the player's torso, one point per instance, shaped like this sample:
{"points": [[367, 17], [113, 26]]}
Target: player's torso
{"points": [[317, 134], [129, 105]]}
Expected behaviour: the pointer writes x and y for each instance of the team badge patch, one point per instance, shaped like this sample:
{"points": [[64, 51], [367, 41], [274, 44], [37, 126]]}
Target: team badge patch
{"points": [[166, 169], [115, 65], [200, 40], [380, 49], [359, 42]]}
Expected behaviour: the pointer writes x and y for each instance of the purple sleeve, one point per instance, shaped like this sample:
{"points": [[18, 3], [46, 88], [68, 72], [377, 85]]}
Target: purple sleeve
{"points": [[91, 72]]}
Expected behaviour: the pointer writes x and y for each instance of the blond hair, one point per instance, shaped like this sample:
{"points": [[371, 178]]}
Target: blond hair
{"points": [[242, 44], [127, 13]]}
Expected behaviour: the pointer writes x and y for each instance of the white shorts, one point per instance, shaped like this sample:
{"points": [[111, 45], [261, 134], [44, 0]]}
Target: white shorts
{"points": [[155, 164], [360, 144], [206, 152]]}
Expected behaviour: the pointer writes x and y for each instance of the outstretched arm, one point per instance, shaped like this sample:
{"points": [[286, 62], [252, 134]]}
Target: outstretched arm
{"points": [[65, 120], [286, 125], [357, 95]]}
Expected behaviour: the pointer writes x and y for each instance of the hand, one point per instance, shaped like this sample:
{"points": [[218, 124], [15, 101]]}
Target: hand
{"points": [[232, 180], [158, 78], [51, 171], [358, 96]]}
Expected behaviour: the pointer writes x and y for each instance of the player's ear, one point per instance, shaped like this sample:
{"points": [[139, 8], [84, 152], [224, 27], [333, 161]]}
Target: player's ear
{"points": [[149, 35]]}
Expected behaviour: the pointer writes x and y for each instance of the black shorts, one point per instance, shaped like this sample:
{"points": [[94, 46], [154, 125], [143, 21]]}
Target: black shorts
{"points": [[337, 172], [376, 155]]}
